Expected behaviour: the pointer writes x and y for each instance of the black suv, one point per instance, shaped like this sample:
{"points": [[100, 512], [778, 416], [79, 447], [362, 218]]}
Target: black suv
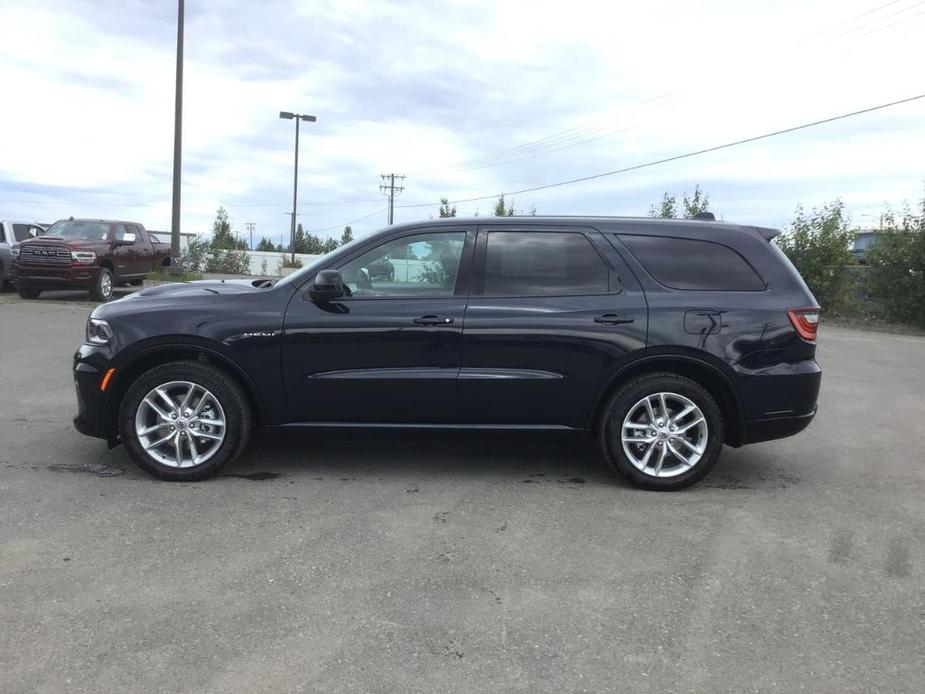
{"points": [[666, 338]]}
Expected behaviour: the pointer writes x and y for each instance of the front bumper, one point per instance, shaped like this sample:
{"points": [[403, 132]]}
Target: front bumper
{"points": [[73, 276], [90, 365]]}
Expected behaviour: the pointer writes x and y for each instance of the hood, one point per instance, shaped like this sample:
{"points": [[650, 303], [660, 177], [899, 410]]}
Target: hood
{"points": [[74, 244], [200, 288]]}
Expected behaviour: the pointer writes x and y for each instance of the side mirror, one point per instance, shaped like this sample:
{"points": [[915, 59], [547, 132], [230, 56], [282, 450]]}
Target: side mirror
{"points": [[127, 240], [328, 286]]}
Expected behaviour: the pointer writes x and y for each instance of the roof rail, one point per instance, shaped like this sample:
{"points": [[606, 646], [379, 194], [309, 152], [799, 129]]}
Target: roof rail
{"points": [[705, 216]]}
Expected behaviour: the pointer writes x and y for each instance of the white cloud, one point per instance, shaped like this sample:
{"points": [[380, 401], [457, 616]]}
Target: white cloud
{"points": [[417, 88]]}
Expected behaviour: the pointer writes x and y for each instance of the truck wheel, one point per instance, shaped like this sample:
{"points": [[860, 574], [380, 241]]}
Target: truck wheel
{"points": [[28, 292], [102, 290], [184, 420], [662, 432]]}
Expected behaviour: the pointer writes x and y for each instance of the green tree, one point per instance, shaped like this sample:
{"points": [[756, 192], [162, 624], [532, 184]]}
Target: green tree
{"points": [[500, 210], [265, 245], [817, 243], [222, 235], [329, 244], [445, 209], [666, 209], [897, 266], [691, 205], [347, 236]]}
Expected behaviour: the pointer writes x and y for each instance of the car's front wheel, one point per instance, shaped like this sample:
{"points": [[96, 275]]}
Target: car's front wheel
{"points": [[184, 420], [662, 431]]}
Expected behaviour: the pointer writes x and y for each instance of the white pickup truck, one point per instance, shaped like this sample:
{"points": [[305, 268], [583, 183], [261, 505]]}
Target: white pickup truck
{"points": [[11, 233]]}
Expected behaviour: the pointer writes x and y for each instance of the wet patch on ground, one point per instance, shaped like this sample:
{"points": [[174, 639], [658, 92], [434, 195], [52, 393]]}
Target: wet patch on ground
{"points": [[89, 468], [257, 476]]}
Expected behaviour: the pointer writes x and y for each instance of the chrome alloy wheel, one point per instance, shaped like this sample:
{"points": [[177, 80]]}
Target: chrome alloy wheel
{"points": [[106, 284], [664, 434], [180, 424]]}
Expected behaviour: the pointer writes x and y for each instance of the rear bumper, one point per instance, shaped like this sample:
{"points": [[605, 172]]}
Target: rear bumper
{"points": [[61, 277], [772, 428]]}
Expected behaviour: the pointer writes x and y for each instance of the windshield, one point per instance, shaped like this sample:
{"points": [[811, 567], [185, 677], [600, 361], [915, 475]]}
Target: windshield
{"points": [[296, 277], [71, 229]]}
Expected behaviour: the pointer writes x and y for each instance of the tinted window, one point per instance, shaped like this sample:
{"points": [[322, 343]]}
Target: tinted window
{"points": [[542, 264], [25, 231], [690, 264], [419, 265]]}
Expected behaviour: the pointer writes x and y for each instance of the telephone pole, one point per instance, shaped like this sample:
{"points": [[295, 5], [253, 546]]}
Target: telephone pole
{"points": [[250, 227], [391, 190]]}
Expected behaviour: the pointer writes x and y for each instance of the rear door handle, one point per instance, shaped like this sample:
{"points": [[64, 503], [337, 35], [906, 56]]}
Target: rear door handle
{"points": [[613, 319], [433, 320]]}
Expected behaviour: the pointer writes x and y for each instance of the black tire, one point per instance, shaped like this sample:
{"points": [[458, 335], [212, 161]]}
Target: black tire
{"points": [[28, 292], [104, 279], [633, 392], [229, 395]]}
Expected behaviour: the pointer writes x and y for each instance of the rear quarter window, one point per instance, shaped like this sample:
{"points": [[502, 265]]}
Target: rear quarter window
{"points": [[692, 264]]}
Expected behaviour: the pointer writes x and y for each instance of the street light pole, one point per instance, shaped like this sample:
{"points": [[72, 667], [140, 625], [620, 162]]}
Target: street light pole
{"points": [[286, 115], [177, 146]]}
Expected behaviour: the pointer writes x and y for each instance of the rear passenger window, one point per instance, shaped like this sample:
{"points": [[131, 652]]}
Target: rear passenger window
{"points": [[542, 264], [692, 264]]}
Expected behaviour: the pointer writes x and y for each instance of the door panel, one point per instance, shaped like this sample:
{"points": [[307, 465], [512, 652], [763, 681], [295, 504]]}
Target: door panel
{"points": [[390, 352], [123, 257], [142, 253], [365, 360], [542, 360]]}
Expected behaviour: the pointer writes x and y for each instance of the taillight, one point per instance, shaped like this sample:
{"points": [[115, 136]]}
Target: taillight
{"points": [[805, 321]]}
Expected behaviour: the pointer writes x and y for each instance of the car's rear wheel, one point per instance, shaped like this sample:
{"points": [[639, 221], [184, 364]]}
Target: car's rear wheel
{"points": [[183, 421], [102, 288], [28, 292], [662, 431]]}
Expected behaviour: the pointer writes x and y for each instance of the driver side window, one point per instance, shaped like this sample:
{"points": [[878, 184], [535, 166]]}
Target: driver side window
{"points": [[412, 266]]}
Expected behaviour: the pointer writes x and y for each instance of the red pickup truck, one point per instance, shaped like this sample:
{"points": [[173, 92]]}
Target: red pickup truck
{"points": [[93, 254]]}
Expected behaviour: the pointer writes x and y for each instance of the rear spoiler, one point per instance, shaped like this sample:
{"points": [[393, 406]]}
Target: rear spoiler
{"points": [[767, 233]]}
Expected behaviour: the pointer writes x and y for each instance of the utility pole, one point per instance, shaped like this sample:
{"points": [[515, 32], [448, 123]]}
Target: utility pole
{"points": [[177, 147], [250, 227], [391, 190]]}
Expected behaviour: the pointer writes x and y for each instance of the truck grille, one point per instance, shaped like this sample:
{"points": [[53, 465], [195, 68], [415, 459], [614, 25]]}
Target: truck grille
{"points": [[34, 253]]}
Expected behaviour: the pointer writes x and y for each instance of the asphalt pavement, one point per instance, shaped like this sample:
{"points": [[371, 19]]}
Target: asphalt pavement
{"points": [[351, 562]]}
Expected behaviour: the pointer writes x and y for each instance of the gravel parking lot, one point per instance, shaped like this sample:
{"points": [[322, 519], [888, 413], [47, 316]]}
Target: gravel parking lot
{"points": [[431, 562]]}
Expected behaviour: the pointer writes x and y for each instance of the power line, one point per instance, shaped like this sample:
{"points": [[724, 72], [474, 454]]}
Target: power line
{"points": [[589, 132], [355, 221], [687, 155]]}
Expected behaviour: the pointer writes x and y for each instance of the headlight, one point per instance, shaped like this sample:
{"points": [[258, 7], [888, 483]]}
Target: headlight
{"points": [[14, 250], [83, 256], [99, 332]]}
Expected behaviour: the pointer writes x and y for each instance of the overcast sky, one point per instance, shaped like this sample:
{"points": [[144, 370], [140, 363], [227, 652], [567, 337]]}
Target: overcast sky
{"points": [[464, 98]]}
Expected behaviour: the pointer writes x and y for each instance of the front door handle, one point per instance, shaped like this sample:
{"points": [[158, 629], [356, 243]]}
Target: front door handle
{"points": [[433, 320], [613, 319]]}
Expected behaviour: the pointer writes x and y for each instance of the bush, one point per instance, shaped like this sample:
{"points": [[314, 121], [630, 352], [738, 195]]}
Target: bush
{"points": [[897, 267], [228, 262], [165, 276], [291, 262], [193, 257], [818, 243]]}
